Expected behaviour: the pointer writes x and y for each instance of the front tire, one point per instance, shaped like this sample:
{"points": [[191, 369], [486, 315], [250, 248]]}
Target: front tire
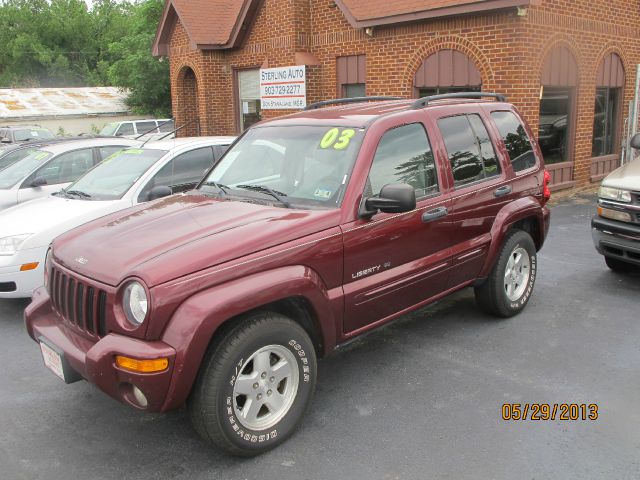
{"points": [[509, 286], [254, 385]]}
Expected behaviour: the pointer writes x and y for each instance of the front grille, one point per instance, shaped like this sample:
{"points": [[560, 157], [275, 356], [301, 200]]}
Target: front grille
{"points": [[81, 305]]}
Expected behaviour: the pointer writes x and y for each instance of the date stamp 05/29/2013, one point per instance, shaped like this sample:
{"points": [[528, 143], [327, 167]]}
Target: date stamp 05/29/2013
{"points": [[550, 411]]}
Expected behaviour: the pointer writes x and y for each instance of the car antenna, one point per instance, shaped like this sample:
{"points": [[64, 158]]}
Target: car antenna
{"points": [[169, 133]]}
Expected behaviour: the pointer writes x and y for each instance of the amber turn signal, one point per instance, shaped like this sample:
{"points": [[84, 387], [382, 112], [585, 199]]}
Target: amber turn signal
{"points": [[29, 266], [142, 366]]}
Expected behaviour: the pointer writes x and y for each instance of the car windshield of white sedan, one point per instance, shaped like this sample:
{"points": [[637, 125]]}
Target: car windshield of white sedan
{"points": [[11, 175], [109, 129], [301, 166], [115, 175]]}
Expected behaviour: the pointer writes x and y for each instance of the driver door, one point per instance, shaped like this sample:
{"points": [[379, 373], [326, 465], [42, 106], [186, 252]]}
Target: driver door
{"points": [[395, 261]]}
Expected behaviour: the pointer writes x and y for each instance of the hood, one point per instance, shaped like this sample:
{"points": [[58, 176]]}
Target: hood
{"points": [[46, 218], [179, 235], [626, 177]]}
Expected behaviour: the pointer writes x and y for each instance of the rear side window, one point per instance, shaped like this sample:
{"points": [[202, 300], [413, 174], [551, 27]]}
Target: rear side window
{"points": [[469, 148], [515, 139], [166, 126], [404, 156]]}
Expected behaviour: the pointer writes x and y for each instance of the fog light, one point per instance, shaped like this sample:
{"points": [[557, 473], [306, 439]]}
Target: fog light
{"points": [[614, 214], [142, 366], [140, 398]]}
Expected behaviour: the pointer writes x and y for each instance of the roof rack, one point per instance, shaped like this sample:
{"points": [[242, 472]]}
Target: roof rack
{"points": [[340, 101], [423, 102]]}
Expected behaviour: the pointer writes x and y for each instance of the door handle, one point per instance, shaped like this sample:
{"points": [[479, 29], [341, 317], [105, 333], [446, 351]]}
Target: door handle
{"points": [[434, 214], [502, 191]]}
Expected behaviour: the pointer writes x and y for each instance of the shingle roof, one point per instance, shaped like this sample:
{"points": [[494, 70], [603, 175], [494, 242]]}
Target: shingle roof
{"points": [[221, 24], [210, 24], [368, 13]]}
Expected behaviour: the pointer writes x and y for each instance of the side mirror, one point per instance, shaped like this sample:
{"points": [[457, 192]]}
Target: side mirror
{"points": [[159, 192], [5, 140], [393, 198], [635, 141], [38, 182]]}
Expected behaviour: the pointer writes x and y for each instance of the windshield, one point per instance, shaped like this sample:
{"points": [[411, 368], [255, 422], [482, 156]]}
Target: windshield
{"points": [[112, 178], [19, 170], [32, 134], [109, 129], [306, 166], [11, 156]]}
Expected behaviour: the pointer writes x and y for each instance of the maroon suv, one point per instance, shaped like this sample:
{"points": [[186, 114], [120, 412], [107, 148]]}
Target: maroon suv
{"points": [[313, 229]]}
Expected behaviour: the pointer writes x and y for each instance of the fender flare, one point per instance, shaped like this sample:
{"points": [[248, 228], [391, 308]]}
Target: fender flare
{"points": [[509, 214], [197, 319]]}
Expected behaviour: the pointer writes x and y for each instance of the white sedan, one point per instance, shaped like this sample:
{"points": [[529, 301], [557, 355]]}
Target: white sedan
{"points": [[53, 167], [123, 180]]}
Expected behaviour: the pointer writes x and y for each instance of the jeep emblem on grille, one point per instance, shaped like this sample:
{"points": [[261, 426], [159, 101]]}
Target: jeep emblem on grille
{"points": [[82, 260]]}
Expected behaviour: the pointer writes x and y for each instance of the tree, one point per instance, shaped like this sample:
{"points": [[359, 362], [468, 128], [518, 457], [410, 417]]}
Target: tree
{"points": [[134, 68]]}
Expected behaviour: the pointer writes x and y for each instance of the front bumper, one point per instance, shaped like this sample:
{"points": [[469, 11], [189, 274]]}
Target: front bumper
{"points": [[617, 240], [94, 360], [17, 284]]}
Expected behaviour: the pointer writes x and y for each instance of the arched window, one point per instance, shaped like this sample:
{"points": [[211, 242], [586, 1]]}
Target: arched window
{"points": [[446, 71], [557, 112], [609, 84]]}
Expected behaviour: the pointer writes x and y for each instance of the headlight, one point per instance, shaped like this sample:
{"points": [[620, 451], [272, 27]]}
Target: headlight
{"points": [[615, 194], [10, 245], [135, 303], [47, 269]]}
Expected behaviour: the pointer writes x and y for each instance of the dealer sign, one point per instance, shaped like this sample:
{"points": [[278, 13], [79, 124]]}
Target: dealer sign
{"points": [[283, 88]]}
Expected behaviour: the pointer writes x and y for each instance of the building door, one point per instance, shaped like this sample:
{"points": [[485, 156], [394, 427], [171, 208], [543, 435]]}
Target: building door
{"points": [[446, 71], [248, 82], [556, 127]]}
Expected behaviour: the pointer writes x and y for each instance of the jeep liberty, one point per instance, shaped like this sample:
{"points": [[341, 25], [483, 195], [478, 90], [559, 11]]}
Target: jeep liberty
{"points": [[312, 229]]}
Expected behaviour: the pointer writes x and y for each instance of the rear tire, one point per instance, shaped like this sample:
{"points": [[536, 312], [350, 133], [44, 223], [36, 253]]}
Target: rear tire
{"points": [[508, 288], [618, 265], [254, 385]]}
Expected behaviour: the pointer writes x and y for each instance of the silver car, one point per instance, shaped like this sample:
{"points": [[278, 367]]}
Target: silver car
{"points": [[53, 167], [616, 226]]}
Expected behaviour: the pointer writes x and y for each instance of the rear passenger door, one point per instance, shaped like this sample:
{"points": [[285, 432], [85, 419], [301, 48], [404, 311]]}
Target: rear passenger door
{"points": [[480, 190], [395, 261], [181, 173]]}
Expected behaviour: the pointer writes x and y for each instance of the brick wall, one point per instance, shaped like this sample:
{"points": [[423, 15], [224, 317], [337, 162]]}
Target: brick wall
{"points": [[508, 49]]}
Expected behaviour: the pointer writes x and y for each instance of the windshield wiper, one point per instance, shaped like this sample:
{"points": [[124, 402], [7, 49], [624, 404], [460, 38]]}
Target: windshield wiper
{"points": [[77, 193], [262, 189], [219, 186]]}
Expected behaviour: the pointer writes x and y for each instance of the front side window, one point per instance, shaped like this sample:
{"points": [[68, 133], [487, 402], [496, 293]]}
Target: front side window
{"points": [[182, 173], [125, 129], [469, 148], [604, 121], [404, 156], [249, 98], [11, 175], [66, 167], [112, 178], [307, 165], [146, 127], [515, 140]]}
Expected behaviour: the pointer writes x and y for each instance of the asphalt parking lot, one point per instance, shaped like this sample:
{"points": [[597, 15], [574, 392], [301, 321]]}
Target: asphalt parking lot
{"points": [[418, 399]]}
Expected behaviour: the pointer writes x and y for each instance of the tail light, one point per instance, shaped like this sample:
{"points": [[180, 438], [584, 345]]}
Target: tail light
{"points": [[546, 192]]}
